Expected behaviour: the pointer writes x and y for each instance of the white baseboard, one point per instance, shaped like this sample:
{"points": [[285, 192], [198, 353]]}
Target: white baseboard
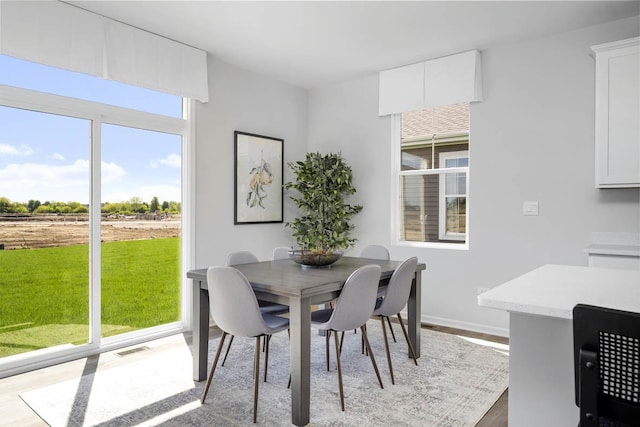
{"points": [[474, 327]]}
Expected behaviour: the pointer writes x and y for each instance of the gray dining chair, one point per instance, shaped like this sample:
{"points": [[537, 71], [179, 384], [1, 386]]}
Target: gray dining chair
{"points": [[393, 301], [378, 252], [234, 308], [352, 310], [280, 252], [375, 252], [246, 257]]}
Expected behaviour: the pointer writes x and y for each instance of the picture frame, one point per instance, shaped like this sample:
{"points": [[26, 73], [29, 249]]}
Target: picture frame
{"points": [[258, 186]]}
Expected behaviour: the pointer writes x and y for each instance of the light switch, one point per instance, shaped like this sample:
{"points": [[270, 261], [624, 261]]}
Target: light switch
{"points": [[530, 208]]}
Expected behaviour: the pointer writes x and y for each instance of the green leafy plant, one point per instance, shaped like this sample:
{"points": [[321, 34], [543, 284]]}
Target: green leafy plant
{"points": [[322, 184]]}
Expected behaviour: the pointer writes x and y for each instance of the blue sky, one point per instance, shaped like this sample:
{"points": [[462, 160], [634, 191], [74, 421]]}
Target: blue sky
{"points": [[46, 157]]}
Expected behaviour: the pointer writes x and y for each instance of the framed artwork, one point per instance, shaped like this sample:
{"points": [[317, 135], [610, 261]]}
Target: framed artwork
{"points": [[258, 195]]}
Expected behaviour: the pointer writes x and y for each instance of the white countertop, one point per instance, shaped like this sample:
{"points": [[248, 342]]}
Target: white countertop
{"points": [[553, 290]]}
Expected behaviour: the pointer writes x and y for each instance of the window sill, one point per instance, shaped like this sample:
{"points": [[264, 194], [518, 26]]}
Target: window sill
{"points": [[434, 245]]}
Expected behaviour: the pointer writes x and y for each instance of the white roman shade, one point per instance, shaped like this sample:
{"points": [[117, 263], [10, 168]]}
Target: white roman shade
{"points": [[64, 36], [442, 81]]}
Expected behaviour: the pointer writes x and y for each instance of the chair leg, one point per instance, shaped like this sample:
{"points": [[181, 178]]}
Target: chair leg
{"points": [[256, 380], [373, 360], [213, 367], [406, 336], [362, 349], [393, 335], [265, 348], [339, 372], [386, 347], [327, 335], [341, 340], [228, 348]]}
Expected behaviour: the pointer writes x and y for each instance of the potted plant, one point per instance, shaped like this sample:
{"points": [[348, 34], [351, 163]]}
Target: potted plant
{"points": [[322, 229]]}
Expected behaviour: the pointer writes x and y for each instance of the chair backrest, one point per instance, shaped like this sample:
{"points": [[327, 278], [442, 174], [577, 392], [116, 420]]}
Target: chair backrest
{"points": [[399, 288], [233, 303], [357, 299], [606, 345], [241, 257], [280, 252], [375, 252]]}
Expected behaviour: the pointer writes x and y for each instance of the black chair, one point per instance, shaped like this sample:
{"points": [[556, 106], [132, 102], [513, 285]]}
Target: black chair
{"points": [[606, 346]]}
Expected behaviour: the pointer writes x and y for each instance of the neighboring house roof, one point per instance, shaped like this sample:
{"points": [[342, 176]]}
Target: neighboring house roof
{"points": [[448, 119]]}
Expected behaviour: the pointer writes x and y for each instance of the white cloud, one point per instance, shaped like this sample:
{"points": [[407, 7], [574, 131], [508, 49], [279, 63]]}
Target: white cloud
{"points": [[112, 172], [172, 160], [10, 150], [20, 182], [23, 181], [56, 156]]}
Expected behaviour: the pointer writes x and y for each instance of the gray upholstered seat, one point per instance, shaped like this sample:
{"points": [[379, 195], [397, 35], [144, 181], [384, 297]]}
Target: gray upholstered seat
{"points": [[394, 300], [235, 310], [352, 310]]}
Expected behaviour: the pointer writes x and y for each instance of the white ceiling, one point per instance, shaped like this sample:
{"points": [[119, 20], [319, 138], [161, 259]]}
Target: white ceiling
{"points": [[311, 44]]}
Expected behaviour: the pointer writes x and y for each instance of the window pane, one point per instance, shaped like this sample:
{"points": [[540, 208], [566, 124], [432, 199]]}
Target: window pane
{"points": [[456, 215], [419, 212], [44, 231], [435, 121], [416, 159], [140, 229], [30, 75], [456, 183]]}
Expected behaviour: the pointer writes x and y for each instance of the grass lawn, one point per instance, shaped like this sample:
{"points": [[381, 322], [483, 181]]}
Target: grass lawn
{"points": [[44, 293]]}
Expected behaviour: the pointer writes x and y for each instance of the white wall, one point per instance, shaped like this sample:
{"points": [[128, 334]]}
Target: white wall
{"points": [[244, 101], [531, 139]]}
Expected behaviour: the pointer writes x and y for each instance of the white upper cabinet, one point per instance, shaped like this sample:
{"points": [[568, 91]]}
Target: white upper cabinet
{"points": [[617, 114]]}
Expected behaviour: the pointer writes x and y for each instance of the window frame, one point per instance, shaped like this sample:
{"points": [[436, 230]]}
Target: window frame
{"points": [[396, 191], [99, 114]]}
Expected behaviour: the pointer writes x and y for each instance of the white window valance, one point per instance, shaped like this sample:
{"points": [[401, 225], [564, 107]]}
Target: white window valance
{"points": [[64, 36], [442, 81]]}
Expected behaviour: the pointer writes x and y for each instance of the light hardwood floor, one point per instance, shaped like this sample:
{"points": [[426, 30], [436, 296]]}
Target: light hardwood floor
{"points": [[16, 413]]}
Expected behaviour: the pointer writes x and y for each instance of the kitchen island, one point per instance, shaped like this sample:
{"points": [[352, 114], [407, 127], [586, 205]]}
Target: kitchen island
{"points": [[540, 305]]}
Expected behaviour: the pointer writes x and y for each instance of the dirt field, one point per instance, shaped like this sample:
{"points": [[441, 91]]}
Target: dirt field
{"points": [[43, 234]]}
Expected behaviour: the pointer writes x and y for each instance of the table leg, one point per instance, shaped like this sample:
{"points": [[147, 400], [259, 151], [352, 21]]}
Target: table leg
{"points": [[414, 309], [200, 320], [300, 327]]}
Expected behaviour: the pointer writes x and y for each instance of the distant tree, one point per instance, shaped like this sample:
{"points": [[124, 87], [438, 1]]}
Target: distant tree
{"points": [[122, 208], [4, 205], [43, 209], [165, 206], [32, 205], [20, 208], [155, 205], [136, 203], [7, 206], [81, 209], [174, 208]]}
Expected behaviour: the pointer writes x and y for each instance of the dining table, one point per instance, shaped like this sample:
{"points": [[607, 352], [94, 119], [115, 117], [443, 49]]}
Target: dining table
{"points": [[286, 282]]}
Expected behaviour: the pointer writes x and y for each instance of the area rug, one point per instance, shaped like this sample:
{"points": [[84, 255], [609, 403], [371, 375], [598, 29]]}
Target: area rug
{"points": [[456, 381]]}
